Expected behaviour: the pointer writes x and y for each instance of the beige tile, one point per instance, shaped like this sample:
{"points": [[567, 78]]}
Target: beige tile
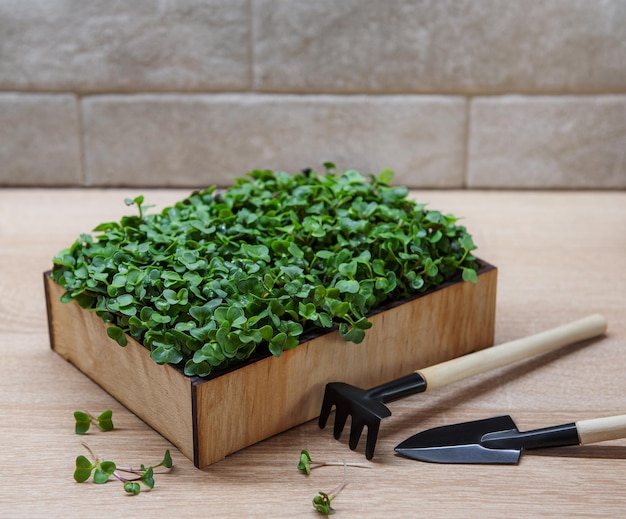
{"points": [[102, 46], [443, 46], [172, 140], [553, 142], [39, 140]]}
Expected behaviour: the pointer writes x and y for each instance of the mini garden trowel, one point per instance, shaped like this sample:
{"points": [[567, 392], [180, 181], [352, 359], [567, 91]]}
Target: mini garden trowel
{"points": [[498, 441]]}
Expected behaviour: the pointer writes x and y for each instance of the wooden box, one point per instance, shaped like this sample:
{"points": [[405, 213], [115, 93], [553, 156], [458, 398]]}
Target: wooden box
{"points": [[207, 419]]}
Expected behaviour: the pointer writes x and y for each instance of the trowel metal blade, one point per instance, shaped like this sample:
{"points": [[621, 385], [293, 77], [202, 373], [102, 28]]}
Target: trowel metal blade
{"points": [[461, 443]]}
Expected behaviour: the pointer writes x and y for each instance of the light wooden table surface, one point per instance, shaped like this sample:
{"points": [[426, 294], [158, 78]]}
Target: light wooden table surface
{"points": [[561, 256]]}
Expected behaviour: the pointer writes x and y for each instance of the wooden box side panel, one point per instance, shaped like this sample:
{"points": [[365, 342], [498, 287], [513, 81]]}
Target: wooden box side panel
{"points": [[159, 395], [275, 394]]}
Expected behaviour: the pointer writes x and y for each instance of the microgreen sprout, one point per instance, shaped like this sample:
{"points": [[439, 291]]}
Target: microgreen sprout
{"points": [[138, 201], [104, 421], [322, 501], [103, 470], [306, 464]]}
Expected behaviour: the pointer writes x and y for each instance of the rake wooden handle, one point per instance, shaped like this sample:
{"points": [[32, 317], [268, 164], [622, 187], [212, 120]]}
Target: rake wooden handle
{"points": [[497, 356], [601, 429]]}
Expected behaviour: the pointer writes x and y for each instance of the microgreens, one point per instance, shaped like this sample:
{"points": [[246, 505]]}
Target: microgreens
{"points": [[103, 470], [220, 276], [322, 501], [306, 464], [84, 420]]}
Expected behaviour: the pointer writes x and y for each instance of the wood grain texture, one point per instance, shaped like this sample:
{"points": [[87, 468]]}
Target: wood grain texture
{"points": [[560, 257]]}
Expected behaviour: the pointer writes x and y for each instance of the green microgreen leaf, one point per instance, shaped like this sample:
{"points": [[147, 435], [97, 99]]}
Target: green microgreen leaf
{"points": [[350, 286], [117, 334], [132, 487], [469, 275], [321, 503], [83, 470], [105, 420], [219, 277], [167, 460], [386, 176], [166, 354], [83, 422], [305, 462], [351, 333], [104, 470]]}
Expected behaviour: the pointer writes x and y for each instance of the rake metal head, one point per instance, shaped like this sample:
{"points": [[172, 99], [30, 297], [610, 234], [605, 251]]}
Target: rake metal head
{"points": [[367, 407], [364, 406]]}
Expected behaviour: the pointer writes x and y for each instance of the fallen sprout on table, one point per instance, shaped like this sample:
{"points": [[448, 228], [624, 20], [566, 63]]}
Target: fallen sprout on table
{"points": [[322, 501], [103, 470], [104, 421], [306, 464]]}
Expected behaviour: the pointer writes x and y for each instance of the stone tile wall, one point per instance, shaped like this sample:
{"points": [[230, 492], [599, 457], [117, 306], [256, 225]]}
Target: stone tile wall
{"points": [[448, 93]]}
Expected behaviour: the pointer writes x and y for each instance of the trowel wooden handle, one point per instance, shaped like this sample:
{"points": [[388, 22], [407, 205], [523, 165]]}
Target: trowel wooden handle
{"points": [[601, 429], [507, 353]]}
